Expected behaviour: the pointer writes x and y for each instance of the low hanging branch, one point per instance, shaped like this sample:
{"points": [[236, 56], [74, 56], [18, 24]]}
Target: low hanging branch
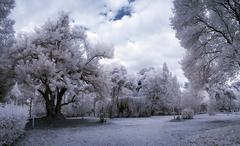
{"points": [[70, 101]]}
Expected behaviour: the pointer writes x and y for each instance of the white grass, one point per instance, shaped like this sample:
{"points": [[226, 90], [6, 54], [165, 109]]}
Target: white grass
{"points": [[202, 130]]}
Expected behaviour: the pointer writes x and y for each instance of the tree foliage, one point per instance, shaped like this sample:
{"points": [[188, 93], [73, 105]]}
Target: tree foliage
{"points": [[59, 62], [161, 88], [6, 42], [210, 33]]}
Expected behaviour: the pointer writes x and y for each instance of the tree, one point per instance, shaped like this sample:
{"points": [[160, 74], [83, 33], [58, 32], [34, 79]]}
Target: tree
{"points": [[129, 103], [192, 98], [152, 88], [210, 33], [161, 88], [6, 42], [165, 72], [121, 85], [117, 78], [59, 62], [226, 97], [141, 76], [173, 95]]}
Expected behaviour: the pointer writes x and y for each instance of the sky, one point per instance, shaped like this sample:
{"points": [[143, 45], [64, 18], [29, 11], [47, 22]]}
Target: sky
{"points": [[139, 30]]}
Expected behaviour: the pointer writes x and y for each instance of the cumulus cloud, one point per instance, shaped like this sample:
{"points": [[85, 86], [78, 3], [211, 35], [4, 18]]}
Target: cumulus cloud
{"points": [[115, 5], [142, 37], [32, 13]]}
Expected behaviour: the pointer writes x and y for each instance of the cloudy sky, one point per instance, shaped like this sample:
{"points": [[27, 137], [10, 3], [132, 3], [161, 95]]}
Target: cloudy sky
{"points": [[139, 29]]}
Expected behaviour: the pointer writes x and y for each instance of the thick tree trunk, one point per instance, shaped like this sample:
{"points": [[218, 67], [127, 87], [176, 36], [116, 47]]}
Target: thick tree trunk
{"points": [[49, 111], [58, 114], [48, 107], [53, 110]]}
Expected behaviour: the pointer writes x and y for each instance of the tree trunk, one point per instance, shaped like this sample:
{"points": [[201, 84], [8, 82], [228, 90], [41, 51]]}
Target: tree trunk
{"points": [[30, 108], [117, 100], [58, 114], [174, 114], [53, 111], [112, 107], [94, 108], [45, 95]]}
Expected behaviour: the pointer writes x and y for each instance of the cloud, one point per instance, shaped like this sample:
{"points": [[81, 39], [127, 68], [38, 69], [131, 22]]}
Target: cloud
{"points": [[117, 9], [31, 13], [145, 38], [115, 5], [142, 37]]}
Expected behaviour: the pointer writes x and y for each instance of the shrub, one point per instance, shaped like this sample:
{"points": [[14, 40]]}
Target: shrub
{"points": [[187, 113], [102, 118], [178, 117], [12, 122]]}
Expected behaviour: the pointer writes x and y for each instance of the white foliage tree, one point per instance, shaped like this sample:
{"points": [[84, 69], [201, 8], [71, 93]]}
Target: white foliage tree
{"points": [[6, 42], [116, 74], [6, 25], [59, 62], [161, 88], [209, 31], [226, 97]]}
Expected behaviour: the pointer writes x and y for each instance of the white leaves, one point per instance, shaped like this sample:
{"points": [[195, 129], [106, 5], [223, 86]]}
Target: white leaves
{"points": [[58, 55], [160, 87], [6, 26], [207, 30], [99, 48], [6, 42]]}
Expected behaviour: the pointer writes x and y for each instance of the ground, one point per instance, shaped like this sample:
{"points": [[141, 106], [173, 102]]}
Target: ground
{"points": [[218, 130]]}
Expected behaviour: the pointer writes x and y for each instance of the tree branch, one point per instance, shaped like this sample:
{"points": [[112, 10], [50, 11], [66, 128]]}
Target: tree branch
{"points": [[70, 101]]}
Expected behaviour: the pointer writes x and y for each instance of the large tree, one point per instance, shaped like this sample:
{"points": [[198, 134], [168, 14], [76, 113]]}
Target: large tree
{"points": [[6, 41], [210, 33], [58, 62]]}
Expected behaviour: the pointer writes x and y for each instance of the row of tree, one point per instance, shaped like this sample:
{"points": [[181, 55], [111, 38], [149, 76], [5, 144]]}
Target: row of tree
{"points": [[146, 93], [56, 69]]}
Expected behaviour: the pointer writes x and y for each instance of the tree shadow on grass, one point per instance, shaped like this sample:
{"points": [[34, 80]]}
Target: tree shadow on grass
{"points": [[42, 123]]}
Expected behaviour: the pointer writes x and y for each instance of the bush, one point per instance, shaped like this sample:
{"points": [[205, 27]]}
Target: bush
{"points": [[187, 113], [102, 118], [12, 122]]}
